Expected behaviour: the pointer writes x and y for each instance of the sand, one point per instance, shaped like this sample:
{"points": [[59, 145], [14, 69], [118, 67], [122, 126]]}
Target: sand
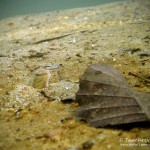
{"points": [[65, 43]]}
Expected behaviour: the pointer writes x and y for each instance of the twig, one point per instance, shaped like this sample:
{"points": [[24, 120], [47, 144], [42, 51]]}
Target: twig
{"points": [[53, 38], [60, 36], [133, 74]]}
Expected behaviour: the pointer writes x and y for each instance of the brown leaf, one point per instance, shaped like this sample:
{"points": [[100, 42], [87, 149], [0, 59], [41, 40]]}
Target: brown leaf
{"points": [[105, 98]]}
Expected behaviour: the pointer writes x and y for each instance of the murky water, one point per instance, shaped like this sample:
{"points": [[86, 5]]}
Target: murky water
{"points": [[16, 7]]}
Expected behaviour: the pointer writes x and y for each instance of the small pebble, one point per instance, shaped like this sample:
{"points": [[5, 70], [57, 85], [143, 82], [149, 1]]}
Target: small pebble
{"points": [[68, 100], [87, 144]]}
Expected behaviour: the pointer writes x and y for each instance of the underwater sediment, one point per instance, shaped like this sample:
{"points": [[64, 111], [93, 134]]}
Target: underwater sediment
{"points": [[64, 43]]}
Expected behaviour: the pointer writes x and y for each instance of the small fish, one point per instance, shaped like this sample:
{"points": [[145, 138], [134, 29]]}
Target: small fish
{"points": [[40, 79], [52, 67]]}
